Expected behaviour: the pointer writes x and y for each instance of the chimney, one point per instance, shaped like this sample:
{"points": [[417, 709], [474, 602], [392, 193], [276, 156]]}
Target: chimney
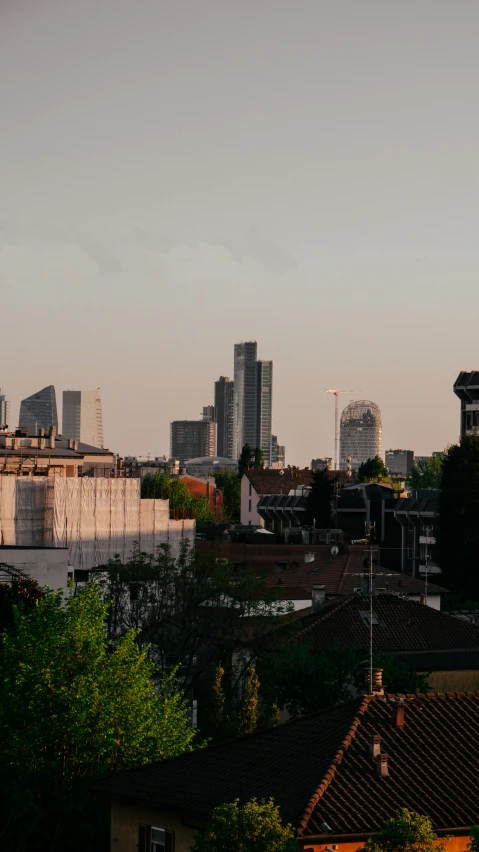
{"points": [[397, 715], [375, 746], [365, 585], [309, 556], [42, 442], [41, 432], [382, 766], [318, 596], [53, 434], [377, 686], [422, 599]]}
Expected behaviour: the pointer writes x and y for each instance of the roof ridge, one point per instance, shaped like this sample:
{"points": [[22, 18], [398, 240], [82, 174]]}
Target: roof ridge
{"points": [[331, 771], [332, 611]]}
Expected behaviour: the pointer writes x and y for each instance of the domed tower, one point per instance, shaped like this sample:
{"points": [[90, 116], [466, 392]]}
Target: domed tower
{"points": [[360, 434]]}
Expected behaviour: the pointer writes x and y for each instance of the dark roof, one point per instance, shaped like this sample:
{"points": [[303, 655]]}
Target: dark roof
{"points": [[319, 769], [283, 481], [404, 625], [457, 659]]}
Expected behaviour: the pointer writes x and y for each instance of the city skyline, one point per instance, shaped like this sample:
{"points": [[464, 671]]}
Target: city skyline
{"points": [[344, 238]]}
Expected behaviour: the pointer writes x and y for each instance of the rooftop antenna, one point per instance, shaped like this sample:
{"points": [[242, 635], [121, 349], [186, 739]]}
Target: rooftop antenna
{"points": [[336, 422]]}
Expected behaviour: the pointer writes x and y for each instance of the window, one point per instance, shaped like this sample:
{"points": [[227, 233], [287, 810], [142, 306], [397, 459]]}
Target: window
{"points": [[250, 492], [365, 615], [152, 838], [249, 505]]}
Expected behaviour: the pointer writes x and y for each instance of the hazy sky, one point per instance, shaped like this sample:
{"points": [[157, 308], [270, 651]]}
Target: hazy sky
{"points": [[180, 175]]}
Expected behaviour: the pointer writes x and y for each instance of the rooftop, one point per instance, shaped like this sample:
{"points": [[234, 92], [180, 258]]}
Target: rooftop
{"points": [[319, 768]]}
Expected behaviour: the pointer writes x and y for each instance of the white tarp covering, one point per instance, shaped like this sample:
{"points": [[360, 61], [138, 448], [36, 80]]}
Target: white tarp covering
{"points": [[94, 518]]}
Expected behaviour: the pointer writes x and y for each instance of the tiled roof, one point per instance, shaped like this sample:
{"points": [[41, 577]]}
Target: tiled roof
{"points": [[404, 625], [457, 659], [283, 481], [319, 768]]}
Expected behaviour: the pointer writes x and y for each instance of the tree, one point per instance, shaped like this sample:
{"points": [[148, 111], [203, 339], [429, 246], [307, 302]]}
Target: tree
{"points": [[458, 529], [73, 707], [407, 832], [473, 846], [183, 504], [230, 482], [252, 827], [21, 590], [319, 500], [372, 470], [426, 473], [250, 458]]}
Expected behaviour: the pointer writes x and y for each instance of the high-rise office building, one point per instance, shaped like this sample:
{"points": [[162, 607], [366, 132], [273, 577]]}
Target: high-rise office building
{"points": [[278, 453], [82, 416], [209, 413], [360, 434], [224, 406], [4, 411], [39, 411], [466, 387], [245, 381], [399, 461], [264, 408], [191, 439]]}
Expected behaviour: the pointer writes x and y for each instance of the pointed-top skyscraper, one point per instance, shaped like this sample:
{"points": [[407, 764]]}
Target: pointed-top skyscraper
{"points": [[39, 411]]}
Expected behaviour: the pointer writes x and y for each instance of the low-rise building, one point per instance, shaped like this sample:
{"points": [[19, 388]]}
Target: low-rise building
{"points": [[22, 454], [48, 566], [206, 465]]}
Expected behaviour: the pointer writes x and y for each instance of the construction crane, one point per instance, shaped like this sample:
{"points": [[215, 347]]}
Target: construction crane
{"points": [[336, 422]]}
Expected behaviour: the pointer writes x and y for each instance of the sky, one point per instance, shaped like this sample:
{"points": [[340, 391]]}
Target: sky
{"points": [[180, 175]]}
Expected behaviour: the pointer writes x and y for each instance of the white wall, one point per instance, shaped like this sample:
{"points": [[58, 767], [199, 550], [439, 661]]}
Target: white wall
{"points": [[47, 565], [249, 501]]}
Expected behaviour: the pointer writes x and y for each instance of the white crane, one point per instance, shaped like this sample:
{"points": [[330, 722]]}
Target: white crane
{"points": [[336, 422]]}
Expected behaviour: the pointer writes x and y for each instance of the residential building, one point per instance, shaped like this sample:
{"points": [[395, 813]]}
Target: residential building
{"points": [[466, 387], [192, 438], [264, 409], [4, 411], [322, 464], [360, 434], [39, 454], [48, 566], [204, 466], [224, 408], [140, 466], [258, 483], [278, 453], [336, 775], [82, 416], [245, 396], [39, 411], [399, 462]]}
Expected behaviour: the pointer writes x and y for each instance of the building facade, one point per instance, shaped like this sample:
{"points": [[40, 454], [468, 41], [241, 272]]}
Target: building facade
{"points": [[245, 394], [399, 461], [82, 416], [192, 438], [39, 411], [466, 387], [264, 408], [224, 408], [4, 411], [360, 434], [278, 453]]}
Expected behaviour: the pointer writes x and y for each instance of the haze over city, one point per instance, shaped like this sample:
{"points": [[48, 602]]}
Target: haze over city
{"points": [[200, 173]]}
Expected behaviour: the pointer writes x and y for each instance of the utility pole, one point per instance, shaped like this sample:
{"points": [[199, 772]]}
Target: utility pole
{"points": [[336, 422]]}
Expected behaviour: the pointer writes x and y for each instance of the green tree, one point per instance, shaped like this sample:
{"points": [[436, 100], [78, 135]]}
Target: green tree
{"points": [[372, 470], [183, 504], [407, 832], [21, 590], [251, 827], [248, 713], [473, 846], [73, 707], [250, 458], [258, 458], [230, 483], [426, 473], [458, 529], [319, 501]]}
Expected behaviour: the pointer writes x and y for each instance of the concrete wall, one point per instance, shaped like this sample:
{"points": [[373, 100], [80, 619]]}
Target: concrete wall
{"points": [[459, 681], [126, 819], [249, 497], [47, 565]]}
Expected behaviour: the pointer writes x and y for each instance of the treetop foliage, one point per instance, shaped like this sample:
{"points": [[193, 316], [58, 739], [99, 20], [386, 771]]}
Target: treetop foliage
{"points": [[183, 504], [250, 458], [372, 470], [407, 832], [426, 473], [230, 482], [319, 500], [251, 827]]}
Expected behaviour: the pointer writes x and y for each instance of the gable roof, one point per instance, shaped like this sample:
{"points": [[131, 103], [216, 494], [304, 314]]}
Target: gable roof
{"points": [[269, 481], [404, 625], [319, 769]]}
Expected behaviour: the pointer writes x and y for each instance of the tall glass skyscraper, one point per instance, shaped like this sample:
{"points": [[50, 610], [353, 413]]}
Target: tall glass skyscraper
{"points": [[4, 411], [82, 416], [264, 408], [224, 408], [39, 411], [253, 400], [360, 433]]}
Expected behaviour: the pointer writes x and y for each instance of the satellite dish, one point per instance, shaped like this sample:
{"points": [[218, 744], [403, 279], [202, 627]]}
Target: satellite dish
{"points": [[334, 550]]}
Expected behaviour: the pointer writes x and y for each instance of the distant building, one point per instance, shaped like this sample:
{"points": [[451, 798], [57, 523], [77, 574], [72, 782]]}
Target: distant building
{"points": [[82, 416], [245, 390], [264, 408], [278, 453], [139, 466], [322, 464], [39, 411], [4, 411], [192, 438], [224, 408], [209, 413], [466, 387], [360, 434], [209, 464], [47, 455], [399, 461]]}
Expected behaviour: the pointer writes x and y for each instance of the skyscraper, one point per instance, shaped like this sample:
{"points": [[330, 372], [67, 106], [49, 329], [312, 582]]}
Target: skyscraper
{"points": [[264, 408], [4, 411], [224, 406], [191, 439], [39, 411], [245, 390], [360, 433], [82, 416]]}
